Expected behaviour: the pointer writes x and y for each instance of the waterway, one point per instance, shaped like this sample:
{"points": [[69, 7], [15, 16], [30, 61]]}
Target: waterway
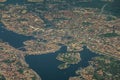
{"points": [[47, 65], [12, 38]]}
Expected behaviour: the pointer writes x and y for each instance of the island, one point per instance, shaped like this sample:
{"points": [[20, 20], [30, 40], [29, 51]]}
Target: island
{"points": [[68, 59], [60, 22]]}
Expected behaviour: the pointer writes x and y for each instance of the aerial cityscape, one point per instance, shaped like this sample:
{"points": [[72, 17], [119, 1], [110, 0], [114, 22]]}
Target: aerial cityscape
{"points": [[59, 40]]}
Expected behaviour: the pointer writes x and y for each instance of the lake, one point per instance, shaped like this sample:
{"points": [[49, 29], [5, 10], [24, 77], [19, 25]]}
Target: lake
{"points": [[12, 38], [46, 65]]}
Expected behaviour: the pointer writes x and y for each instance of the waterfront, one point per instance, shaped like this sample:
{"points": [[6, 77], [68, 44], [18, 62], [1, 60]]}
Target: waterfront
{"points": [[12, 57], [47, 65], [12, 38]]}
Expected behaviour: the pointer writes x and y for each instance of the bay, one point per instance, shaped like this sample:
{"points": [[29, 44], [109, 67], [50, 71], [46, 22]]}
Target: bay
{"points": [[47, 65], [12, 38]]}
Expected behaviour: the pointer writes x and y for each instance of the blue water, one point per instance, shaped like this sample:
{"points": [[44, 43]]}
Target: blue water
{"points": [[14, 39], [46, 65]]}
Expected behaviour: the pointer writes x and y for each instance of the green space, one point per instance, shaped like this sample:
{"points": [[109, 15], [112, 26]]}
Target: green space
{"points": [[110, 18], [69, 58], [101, 68], [8, 61], [64, 66], [109, 66], [86, 23], [20, 70], [2, 77], [109, 35], [33, 78]]}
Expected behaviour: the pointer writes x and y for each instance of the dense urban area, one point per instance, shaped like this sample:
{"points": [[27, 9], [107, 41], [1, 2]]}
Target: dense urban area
{"points": [[56, 22]]}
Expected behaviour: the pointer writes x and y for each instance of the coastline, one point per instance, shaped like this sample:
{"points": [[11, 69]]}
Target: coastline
{"points": [[26, 64], [105, 54], [42, 50], [26, 54]]}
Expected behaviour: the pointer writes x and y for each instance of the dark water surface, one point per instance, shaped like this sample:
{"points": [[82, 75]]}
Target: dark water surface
{"points": [[46, 65], [14, 39]]}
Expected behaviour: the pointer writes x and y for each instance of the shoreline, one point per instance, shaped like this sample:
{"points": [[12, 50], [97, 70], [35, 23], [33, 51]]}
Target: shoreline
{"points": [[105, 54], [36, 74], [26, 64]]}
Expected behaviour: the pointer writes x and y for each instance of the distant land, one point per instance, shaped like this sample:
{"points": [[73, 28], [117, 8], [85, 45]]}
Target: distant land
{"points": [[35, 0], [3, 0]]}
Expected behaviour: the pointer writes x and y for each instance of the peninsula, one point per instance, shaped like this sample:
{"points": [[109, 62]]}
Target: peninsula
{"points": [[57, 23]]}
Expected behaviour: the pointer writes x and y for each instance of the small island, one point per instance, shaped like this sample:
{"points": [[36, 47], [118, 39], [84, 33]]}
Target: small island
{"points": [[63, 66], [68, 59], [56, 21]]}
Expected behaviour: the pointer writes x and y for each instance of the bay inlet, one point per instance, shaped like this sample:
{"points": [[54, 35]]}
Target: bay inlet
{"points": [[46, 66]]}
